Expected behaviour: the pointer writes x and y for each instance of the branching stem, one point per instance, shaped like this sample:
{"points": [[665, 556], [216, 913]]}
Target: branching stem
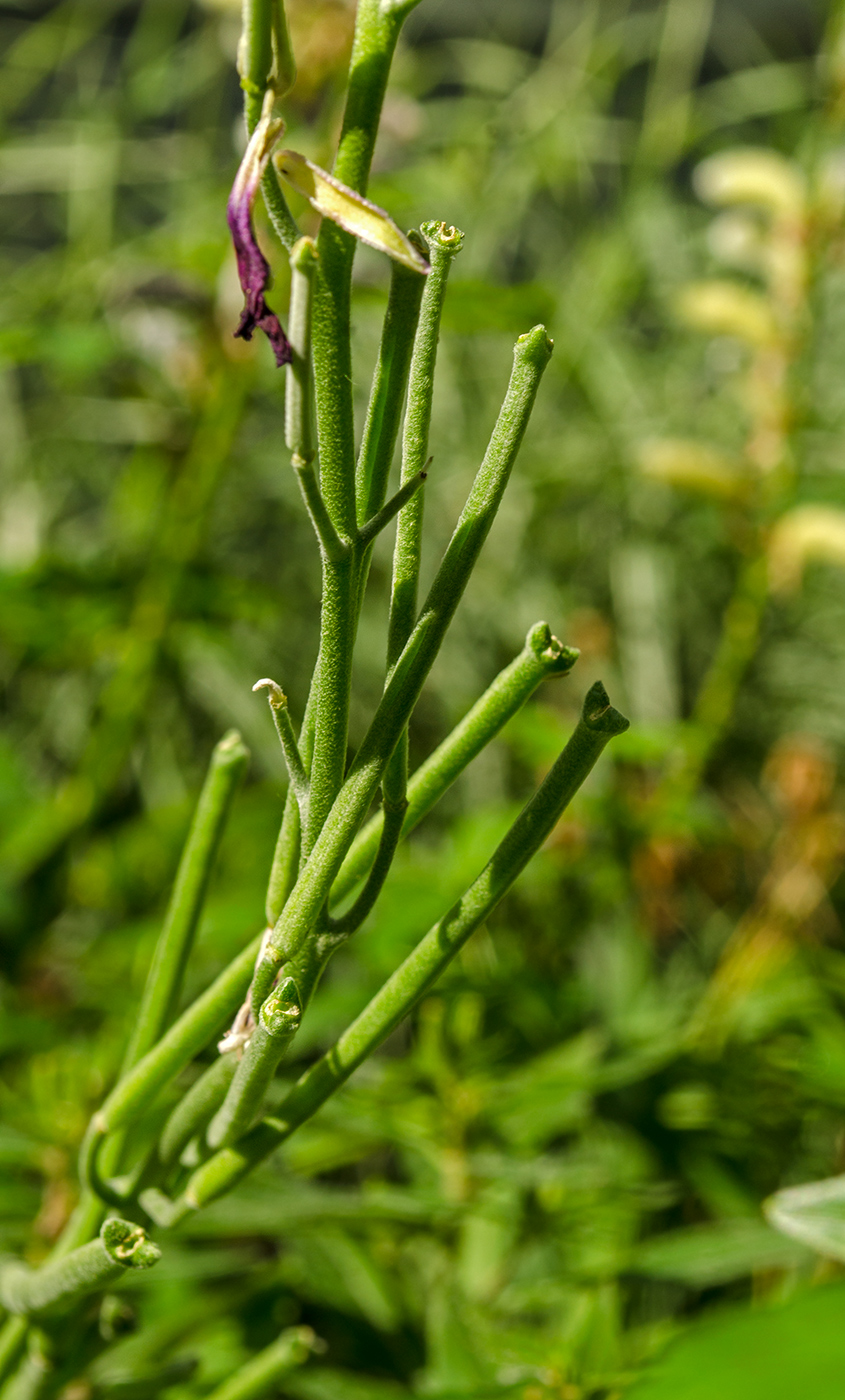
{"points": [[598, 724]]}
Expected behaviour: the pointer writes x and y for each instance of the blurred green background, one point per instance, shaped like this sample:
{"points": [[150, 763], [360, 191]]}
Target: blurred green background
{"points": [[560, 1164]]}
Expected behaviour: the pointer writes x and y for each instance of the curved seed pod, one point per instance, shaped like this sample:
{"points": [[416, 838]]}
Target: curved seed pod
{"points": [[120, 1246]]}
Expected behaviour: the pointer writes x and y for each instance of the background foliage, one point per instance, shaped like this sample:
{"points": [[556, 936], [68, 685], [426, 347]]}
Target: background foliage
{"points": [[560, 1163]]}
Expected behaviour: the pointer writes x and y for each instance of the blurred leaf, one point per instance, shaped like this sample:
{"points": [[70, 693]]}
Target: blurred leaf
{"points": [[703, 1256], [773, 1354], [813, 1214]]}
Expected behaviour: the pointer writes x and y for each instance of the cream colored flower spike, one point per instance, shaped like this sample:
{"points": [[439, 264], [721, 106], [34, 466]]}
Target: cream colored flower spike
{"points": [[351, 211]]}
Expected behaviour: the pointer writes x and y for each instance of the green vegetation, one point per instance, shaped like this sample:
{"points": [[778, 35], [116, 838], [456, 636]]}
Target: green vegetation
{"points": [[546, 1181]]}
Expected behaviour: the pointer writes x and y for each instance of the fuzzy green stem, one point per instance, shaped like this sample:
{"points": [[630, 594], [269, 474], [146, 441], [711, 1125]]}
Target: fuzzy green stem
{"points": [[598, 724], [377, 27], [333, 680], [286, 857], [284, 64], [390, 381], [443, 244], [258, 1376], [398, 501], [335, 550], [278, 1022], [284, 224], [228, 763], [531, 355], [261, 61], [290, 748], [299, 398], [255, 51], [119, 1246], [376, 31], [285, 867], [392, 821]]}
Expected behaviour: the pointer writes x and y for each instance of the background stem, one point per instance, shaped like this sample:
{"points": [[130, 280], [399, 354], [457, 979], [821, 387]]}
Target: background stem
{"points": [[227, 767]]}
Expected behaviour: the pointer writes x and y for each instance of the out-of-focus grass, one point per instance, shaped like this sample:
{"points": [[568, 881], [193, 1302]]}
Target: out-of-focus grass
{"points": [[561, 1162]]}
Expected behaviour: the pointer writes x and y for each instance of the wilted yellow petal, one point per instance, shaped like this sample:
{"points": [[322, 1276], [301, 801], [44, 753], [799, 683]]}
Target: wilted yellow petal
{"points": [[726, 308], [752, 176], [351, 211], [736, 238], [804, 534], [694, 466]]}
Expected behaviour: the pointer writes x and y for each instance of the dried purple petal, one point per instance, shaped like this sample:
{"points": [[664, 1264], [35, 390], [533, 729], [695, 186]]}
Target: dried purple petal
{"points": [[253, 268]]}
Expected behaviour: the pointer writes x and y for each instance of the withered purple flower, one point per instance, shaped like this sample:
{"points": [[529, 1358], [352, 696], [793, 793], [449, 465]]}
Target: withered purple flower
{"points": [[253, 268]]}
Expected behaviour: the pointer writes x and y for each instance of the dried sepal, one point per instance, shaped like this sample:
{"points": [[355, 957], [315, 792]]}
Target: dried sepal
{"points": [[350, 210]]}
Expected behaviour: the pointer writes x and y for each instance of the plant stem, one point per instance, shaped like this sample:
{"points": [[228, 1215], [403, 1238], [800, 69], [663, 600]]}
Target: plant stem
{"points": [[194, 1111], [299, 398], [255, 66], [284, 224], [285, 867], [261, 1373], [376, 31], [541, 657], [531, 355], [334, 549], [286, 857], [387, 395], [333, 680], [228, 763], [443, 244], [382, 518], [335, 533], [186, 1037], [392, 821], [598, 724], [255, 52], [284, 728], [120, 1246]]}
